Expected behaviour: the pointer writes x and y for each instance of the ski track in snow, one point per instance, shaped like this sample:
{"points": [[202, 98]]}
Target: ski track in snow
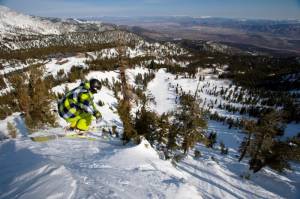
{"points": [[69, 168]]}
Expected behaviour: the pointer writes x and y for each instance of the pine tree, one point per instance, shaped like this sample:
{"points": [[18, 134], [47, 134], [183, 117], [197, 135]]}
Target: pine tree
{"points": [[211, 139], [189, 122], [124, 107], [249, 130], [197, 154], [164, 129], [294, 144], [224, 150], [20, 92], [263, 144], [40, 98], [146, 124], [128, 125], [33, 98]]}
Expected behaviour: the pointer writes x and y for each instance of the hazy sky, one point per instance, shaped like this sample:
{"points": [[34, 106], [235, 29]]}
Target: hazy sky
{"points": [[266, 9]]}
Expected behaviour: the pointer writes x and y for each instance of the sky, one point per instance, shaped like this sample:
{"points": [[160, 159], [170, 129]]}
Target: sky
{"points": [[253, 9]]}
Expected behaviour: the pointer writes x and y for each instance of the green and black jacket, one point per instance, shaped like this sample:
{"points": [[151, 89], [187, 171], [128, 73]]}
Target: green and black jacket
{"points": [[77, 101]]}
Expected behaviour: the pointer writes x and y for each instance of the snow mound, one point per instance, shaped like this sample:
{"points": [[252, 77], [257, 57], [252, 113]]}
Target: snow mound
{"points": [[142, 153]]}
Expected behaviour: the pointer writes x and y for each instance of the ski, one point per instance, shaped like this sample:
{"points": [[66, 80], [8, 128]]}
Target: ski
{"points": [[74, 136], [46, 138], [103, 132], [58, 136]]}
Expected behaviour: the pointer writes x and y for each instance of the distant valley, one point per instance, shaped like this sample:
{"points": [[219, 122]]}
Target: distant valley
{"points": [[264, 36]]}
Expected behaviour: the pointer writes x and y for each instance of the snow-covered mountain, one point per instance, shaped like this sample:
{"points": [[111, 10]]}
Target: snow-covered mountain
{"points": [[20, 31], [102, 167], [13, 23]]}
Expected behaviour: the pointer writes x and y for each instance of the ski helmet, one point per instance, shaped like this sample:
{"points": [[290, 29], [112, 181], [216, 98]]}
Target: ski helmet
{"points": [[95, 85]]}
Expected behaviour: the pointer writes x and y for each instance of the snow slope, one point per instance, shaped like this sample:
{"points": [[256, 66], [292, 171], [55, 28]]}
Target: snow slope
{"points": [[70, 168], [218, 176], [89, 170]]}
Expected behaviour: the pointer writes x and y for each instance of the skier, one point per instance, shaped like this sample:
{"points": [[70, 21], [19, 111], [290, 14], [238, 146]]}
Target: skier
{"points": [[77, 106]]}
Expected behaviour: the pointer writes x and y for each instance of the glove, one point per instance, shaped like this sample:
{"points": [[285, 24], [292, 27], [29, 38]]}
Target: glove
{"points": [[98, 115]]}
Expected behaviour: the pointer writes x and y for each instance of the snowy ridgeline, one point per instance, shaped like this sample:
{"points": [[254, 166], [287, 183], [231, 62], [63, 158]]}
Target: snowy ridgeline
{"points": [[106, 169], [37, 32], [13, 24]]}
